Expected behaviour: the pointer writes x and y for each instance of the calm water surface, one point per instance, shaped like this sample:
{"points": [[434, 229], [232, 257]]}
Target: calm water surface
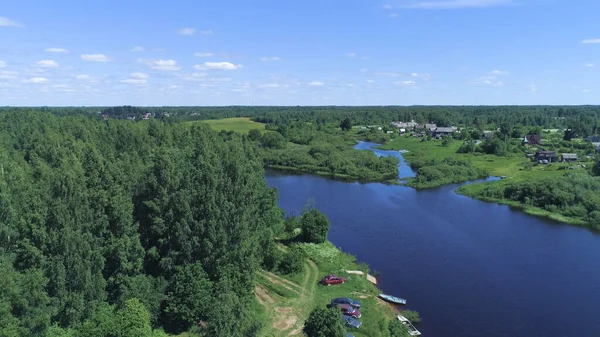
{"points": [[470, 268]]}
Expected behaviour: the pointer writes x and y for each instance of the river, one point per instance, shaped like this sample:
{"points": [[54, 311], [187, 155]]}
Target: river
{"points": [[471, 268]]}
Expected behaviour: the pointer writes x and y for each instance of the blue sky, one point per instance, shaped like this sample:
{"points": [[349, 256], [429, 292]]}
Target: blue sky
{"points": [[328, 52]]}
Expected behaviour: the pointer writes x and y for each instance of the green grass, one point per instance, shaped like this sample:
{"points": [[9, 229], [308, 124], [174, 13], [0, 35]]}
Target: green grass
{"points": [[239, 124], [304, 293]]}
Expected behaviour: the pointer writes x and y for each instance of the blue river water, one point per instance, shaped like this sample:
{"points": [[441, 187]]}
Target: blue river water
{"points": [[469, 267]]}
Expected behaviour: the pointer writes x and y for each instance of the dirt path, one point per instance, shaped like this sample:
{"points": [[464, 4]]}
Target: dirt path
{"points": [[279, 281], [288, 314]]}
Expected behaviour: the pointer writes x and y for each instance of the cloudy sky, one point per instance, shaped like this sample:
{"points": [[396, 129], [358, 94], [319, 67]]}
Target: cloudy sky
{"points": [[311, 52]]}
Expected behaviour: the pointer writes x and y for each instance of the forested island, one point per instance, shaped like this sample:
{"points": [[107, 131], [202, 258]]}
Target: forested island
{"points": [[154, 221]]}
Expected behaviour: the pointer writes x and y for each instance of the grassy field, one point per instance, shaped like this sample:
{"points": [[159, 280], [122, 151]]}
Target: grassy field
{"points": [[289, 300], [240, 124], [509, 166]]}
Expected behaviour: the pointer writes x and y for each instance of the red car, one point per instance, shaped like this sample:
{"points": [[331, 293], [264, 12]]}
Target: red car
{"points": [[332, 279], [349, 310]]}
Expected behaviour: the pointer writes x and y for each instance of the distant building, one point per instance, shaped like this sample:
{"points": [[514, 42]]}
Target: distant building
{"points": [[400, 124], [488, 134], [441, 132], [550, 156], [430, 126], [532, 139], [568, 157], [593, 139], [402, 130]]}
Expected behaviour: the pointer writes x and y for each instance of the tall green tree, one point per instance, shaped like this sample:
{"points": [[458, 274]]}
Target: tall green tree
{"points": [[324, 322], [315, 226], [345, 124]]}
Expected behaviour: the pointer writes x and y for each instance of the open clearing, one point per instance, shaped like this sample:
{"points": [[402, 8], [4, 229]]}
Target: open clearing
{"points": [[239, 124], [289, 300]]}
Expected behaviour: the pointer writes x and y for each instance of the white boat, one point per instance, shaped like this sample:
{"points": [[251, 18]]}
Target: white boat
{"points": [[411, 328]]}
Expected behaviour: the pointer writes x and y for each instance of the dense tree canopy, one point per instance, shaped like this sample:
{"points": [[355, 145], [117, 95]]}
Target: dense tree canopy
{"points": [[158, 220], [324, 322]]}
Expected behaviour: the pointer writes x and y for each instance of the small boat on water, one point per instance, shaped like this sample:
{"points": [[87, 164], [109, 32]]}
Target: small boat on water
{"points": [[411, 328], [392, 299]]}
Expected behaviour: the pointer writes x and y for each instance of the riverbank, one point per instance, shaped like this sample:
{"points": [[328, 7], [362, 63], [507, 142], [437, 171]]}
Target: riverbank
{"points": [[288, 300], [334, 176]]}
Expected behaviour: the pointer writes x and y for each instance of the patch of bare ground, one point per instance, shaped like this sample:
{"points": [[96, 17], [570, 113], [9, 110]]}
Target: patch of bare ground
{"points": [[262, 295], [360, 295], [281, 281], [285, 323]]}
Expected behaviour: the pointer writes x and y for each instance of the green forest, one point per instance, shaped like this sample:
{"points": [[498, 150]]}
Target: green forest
{"points": [[115, 228]]}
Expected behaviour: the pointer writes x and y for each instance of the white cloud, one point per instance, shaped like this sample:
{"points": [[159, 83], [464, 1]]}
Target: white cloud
{"points": [[270, 85], [134, 81], [387, 7], [207, 32], [585, 90], [56, 50], [6, 22], [590, 65], [591, 41], [204, 54], [489, 80], [498, 72], [4, 74], [2, 64], [95, 58], [37, 80], [533, 87], [457, 4], [48, 64], [140, 76], [136, 78], [388, 73], [187, 31], [316, 84], [409, 82], [194, 76], [83, 77], [370, 81], [393, 15], [424, 77], [169, 65], [352, 54], [218, 66], [138, 49], [267, 59]]}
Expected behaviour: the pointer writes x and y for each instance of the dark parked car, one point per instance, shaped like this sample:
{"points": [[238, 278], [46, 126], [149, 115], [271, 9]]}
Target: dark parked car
{"points": [[347, 310], [351, 322], [346, 300], [332, 279]]}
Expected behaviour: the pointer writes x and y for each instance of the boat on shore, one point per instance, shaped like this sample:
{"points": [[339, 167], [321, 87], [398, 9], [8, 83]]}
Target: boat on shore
{"points": [[411, 328], [392, 299]]}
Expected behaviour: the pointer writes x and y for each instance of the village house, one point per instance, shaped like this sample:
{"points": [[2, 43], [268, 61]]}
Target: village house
{"points": [[568, 157], [532, 139], [430, 126], [399, 124], [593, 139], [441, 132], [488, 134], [546, 157]]}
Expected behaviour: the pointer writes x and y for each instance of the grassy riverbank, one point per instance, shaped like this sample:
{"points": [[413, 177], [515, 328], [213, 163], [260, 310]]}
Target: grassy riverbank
{"points": [[288, 300]]}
